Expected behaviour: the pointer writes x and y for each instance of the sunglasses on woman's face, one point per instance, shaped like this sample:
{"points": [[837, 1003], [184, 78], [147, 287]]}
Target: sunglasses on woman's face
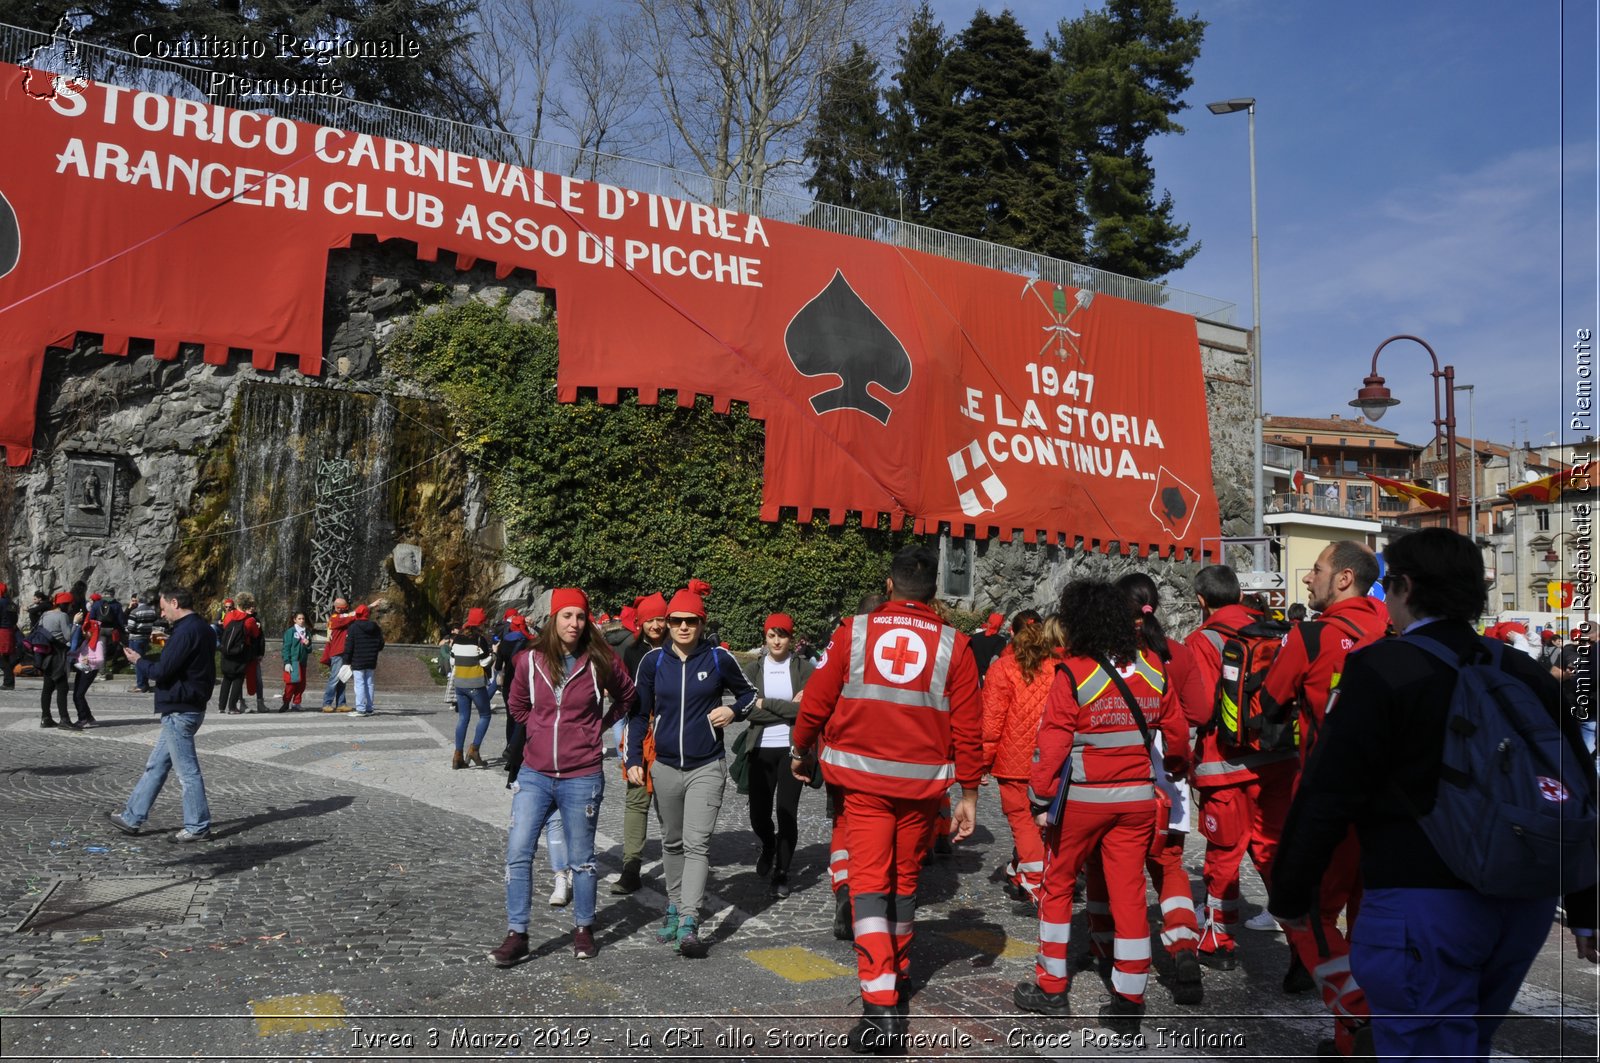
{"points": [[683, 621]]}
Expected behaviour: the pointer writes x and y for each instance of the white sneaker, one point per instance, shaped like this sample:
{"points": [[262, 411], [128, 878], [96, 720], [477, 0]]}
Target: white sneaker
{"points": [[561, 895], [1263, 920]]}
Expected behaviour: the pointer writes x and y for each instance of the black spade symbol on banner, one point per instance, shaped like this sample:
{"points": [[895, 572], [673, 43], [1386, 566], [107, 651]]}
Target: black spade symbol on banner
{"points": [[10, 237], [1173, 503], [837, 334]]}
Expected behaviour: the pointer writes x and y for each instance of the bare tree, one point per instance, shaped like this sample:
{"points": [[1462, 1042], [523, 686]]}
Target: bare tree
{"points": [[516, 56], [602, 94], [739, 80]]}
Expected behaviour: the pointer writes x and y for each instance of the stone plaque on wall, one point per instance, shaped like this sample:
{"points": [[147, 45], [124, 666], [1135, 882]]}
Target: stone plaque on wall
{"points": [[91, 487], [957, 567], [408, 559]]}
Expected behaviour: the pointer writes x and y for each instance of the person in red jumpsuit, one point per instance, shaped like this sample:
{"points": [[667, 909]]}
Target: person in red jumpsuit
{"points": [[895, 709], [1244, 796], [1091, 741], [1301, 677]]}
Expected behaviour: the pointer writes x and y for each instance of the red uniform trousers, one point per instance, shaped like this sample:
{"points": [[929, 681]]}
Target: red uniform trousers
{"points": [[1026, 872], [887, 838], [1249, 818], [1123, 838], [943, 823], [838, 848], [293, 692], [1325, 951], [1179, 930]]}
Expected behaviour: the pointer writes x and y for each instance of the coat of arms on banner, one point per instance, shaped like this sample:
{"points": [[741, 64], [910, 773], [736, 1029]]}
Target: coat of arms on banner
{"points": [[1173, 503], [968, 464]]}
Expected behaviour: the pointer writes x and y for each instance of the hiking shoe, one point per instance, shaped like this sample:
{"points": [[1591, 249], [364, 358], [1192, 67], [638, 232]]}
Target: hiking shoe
{"points": [[668, 933], [1263, 920], [512, 951], [1029, 997], [583, 945], [561, 892], [1218, 960], [1187, 987], [689, 942], [329, 708], [123, 825], [844, 928], [627, 882], [879, 1033], [185, 836], [1297, 979], [1122, 1016]]}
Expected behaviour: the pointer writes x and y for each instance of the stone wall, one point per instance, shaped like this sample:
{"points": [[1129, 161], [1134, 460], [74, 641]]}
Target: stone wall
{"points": [[172, 432]]}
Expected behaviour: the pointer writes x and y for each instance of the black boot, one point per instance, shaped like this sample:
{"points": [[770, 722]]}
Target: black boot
{"points": [[1122, 1016], [844, 927], [628, 881], [879, 1033], [46, 721], [66, 721], [1297, 980]]}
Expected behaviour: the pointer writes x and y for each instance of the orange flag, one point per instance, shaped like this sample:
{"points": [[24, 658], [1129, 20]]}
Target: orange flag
{"points": [[1547, 489], [1401, 489]]}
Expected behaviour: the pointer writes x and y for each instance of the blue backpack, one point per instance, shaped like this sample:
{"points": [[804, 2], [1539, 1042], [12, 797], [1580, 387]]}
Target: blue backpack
{"points": [[1514, 814]]}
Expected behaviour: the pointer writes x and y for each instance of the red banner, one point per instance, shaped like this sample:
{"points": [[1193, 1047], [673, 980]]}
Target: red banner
{"points": [[891, 381]]}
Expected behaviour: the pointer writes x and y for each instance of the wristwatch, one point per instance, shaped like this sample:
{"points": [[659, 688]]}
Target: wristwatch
{"points": [[798, 754]]}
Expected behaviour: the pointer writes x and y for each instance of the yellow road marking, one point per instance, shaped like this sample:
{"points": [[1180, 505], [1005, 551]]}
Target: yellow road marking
{"points": [[996, 943], [298, 1014], [798, 964]]}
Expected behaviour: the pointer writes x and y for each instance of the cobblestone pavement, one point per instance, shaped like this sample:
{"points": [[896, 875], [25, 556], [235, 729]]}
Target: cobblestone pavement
{"points": [[354, 884]]}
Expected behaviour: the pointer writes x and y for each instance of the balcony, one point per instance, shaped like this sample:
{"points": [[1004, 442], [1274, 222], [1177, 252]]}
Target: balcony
{"points": [[1320, 505], [1349, 469], [1282, 457]]}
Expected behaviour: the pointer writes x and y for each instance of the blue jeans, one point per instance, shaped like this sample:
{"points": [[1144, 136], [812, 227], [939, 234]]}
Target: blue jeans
{"points": [[362, 681], [333, 693], [534, 799], [174, 748], [465, 700], [1440, 967]]}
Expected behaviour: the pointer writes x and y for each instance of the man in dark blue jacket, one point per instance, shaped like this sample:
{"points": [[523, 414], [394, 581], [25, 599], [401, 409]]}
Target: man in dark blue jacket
{"points": [[183, 677], [1440, 962]]}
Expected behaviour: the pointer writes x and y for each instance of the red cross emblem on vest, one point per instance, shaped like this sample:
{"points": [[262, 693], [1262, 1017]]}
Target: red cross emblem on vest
{"points": [[899, 655], [1551, 789]]}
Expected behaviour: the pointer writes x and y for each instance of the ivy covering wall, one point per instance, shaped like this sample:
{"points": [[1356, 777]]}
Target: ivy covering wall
{"points": [[632, 499]]}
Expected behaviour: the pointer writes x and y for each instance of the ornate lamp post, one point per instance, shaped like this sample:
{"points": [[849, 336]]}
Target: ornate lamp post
{"points": [[1373, 399]]}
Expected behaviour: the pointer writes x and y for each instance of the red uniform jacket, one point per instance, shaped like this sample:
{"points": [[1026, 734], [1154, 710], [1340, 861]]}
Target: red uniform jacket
{"points": [[1344, 626], [334, 647], [1215, 768], [895, 705], [1086, 717]]}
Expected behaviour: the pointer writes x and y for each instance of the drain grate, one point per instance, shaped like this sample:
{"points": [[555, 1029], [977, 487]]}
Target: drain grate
{"points": [[112, 903]]}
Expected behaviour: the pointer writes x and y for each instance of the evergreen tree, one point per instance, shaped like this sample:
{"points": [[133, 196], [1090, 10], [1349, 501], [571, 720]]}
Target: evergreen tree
{"points": [[847, 145], [1004, 175], [920, 111], [1124, 72]]}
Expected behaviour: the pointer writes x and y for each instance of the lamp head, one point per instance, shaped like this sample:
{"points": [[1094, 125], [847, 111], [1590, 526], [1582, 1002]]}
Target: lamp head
{"points": [[1373, 398], [1238, 103]]}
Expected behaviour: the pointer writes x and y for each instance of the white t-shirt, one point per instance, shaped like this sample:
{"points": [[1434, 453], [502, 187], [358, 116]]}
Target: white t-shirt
{"points": [[775, 684]]}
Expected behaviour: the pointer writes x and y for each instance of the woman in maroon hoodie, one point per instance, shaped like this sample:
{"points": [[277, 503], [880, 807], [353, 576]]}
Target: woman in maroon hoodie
{"points": [[557, 693]]}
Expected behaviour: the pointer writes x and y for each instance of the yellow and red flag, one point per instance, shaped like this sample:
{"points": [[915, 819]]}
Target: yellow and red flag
{"points": [[1400, 489], [1546, 489]]}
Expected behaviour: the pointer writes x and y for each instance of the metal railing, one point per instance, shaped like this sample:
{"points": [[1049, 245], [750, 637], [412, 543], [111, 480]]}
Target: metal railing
{"points": [[1280, 457], [787, 202], [1319, 504]]}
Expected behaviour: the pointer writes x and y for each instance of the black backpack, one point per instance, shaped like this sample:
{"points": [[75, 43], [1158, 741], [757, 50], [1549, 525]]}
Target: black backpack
{"points": [[235, 641]]}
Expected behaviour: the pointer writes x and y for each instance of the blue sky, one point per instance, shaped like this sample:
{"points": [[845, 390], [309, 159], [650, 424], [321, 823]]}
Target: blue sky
{"points": [[1410, 159]]}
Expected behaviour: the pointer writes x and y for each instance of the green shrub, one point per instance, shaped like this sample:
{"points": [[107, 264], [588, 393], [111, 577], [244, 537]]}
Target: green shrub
{"points": [[632, 499]]}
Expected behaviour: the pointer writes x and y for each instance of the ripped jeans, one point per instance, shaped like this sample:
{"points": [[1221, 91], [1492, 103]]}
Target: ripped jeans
{"points": [[535, 798]]}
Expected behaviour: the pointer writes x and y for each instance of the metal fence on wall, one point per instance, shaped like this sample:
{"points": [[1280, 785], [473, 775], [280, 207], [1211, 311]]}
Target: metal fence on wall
{"points": [[781, 198]]}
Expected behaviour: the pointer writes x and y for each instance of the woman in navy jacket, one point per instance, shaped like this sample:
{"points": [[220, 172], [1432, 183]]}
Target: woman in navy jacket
{"points": [[681, 685]]}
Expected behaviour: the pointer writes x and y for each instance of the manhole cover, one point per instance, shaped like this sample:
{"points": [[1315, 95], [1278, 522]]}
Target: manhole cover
{"points": [[112, 903]]}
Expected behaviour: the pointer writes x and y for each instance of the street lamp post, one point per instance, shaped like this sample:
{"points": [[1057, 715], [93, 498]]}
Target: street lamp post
{"points": [[1472, 458], [1248, 105], [1374, 398]]}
